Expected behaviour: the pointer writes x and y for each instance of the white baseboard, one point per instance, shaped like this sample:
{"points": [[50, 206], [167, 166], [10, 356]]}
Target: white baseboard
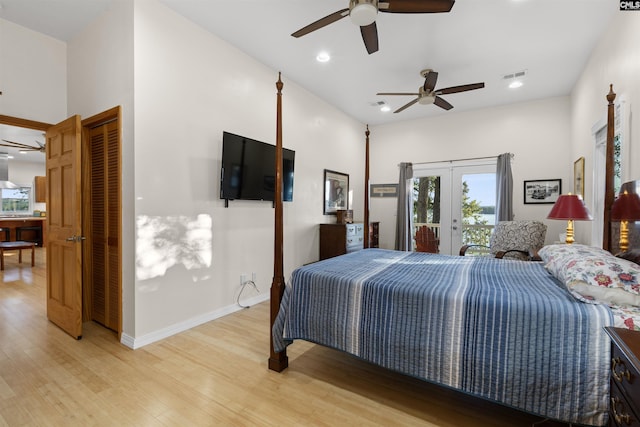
{"points": [[152, 337]]}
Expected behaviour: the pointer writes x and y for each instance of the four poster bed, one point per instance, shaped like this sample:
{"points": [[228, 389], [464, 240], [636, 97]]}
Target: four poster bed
{"points": [[519, 333]]}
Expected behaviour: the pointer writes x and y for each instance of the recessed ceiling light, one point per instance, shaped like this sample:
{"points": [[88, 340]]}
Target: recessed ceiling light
{"points": [[515, 84], [323, 57], [385, 108]]}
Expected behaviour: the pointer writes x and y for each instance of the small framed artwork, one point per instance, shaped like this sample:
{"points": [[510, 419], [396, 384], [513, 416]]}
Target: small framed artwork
{"points": [[578, 177], [383, 190], [542, 191], [336, 190]]}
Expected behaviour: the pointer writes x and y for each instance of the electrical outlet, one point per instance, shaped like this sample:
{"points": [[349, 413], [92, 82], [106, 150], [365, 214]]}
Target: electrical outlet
{"points": [[243, 279]]}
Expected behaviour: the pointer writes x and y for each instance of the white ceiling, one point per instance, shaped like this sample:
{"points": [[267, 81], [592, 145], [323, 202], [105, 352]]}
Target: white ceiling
{"points": [[478, 41]]}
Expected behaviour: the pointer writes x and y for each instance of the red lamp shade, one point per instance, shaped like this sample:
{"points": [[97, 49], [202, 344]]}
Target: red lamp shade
{"points": [[570, 207], [626, 207]]}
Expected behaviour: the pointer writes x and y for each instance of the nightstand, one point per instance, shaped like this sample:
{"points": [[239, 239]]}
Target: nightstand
{"points": [[625, 377]]}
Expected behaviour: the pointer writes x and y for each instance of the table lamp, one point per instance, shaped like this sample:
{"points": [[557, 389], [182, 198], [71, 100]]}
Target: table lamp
{"points": [[570, 207], [625, 208]]}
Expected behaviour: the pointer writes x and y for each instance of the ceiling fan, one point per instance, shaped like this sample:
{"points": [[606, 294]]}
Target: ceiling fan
{"points": [[427, 94], [24, 147], [364, 12]]}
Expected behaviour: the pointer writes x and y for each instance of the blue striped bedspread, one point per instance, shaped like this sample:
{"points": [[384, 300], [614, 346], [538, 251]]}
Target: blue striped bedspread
{"points": [[501, 330]]}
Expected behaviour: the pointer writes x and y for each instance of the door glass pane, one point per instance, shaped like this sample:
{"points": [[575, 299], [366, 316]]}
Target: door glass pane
{"points": [[427, 203], [478, 210]]}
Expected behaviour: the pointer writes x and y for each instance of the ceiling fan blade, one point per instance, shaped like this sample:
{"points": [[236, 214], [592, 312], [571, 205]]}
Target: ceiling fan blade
{"points": [[329, 19], [18, 145], [461, 88], [442, 103], [370, 37], [430, 81], [407, 105], [416, 6], [397, 93]]}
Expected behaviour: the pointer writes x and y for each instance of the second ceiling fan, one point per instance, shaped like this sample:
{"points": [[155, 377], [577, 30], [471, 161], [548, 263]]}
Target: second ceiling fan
{"points": [[427, 94], [364, 12], [24, 147]]}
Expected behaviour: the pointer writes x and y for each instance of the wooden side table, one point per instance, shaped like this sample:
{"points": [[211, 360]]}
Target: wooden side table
{"points": [[625, 377], [19, 246]]}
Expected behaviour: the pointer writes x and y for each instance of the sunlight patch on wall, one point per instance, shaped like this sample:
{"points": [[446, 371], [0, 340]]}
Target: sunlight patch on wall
{"points": [[163, 242]]}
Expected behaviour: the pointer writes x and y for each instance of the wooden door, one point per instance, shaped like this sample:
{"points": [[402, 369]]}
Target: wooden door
{"points": [[64, 226], [102, 224]]}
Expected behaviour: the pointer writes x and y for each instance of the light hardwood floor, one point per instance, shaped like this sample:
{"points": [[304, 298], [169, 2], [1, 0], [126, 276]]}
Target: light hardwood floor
{"points": [[214, 374]]}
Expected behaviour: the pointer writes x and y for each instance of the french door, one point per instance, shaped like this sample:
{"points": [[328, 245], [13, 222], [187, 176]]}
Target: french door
{"points": [[457, 201]]}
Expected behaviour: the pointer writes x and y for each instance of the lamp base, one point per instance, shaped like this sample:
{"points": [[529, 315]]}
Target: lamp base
{"points": [[624, 235], [570, 240]]}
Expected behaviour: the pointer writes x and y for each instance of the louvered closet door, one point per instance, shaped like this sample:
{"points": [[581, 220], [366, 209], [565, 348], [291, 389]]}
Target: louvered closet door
{"points": [[105, 225]]}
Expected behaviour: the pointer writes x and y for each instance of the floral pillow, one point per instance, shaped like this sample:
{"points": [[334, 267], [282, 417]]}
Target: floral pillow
{"points": [[602, 279], [553, 252]]}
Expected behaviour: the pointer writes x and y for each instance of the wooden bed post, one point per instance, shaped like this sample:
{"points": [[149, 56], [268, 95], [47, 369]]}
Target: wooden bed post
{"points": [[609, 169], [366, 190], [277, 361]]}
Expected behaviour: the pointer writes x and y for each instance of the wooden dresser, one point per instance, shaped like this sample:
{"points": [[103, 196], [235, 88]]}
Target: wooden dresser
{"points": [[624, 400], [339, 239]]}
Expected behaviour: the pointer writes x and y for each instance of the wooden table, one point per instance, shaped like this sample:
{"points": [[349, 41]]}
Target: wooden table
{"points": [[19, 246]]}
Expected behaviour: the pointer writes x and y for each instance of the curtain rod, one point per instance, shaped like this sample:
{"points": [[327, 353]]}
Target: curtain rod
{"points": [[460, 160]]}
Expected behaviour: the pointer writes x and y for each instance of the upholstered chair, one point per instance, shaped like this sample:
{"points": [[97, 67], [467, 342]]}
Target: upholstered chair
{"points": [[515, 240]]}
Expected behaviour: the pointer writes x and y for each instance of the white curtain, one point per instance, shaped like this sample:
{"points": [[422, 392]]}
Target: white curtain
{"points": [[404, 239], [504, 188]]}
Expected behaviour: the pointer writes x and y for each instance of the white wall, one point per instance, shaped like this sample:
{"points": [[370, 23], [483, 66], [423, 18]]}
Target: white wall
{"points": [[33, 72], [616, 60], [537, 133], [190, 86]]}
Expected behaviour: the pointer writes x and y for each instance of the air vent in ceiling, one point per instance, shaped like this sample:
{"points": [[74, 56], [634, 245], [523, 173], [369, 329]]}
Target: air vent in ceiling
{"points": [[516, 75]]}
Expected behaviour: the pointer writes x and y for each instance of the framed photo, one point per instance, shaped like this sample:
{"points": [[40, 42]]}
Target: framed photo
{"points": [[336, 191], [578, 177], [542, 191]]}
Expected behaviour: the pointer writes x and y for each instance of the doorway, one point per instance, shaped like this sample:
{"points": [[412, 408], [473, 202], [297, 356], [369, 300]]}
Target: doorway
{"points": [[457, 201], [101, 224]]}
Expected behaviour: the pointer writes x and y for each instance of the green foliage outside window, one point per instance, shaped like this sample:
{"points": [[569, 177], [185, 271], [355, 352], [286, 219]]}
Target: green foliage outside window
{"points": [[16, 200], [426, 208], [472, 214]]}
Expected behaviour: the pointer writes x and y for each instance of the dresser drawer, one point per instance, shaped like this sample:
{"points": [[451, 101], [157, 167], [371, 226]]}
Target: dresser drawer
{"points": [[620, 411], [355, 230], [625, 376], [624, 387], [355, 237]]}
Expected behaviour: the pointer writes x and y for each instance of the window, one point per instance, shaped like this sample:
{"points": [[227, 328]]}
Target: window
{"points": [[16, 200]]}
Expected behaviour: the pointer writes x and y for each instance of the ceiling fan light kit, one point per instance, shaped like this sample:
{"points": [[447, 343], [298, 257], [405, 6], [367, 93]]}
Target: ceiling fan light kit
{"points": [[363, 12]]}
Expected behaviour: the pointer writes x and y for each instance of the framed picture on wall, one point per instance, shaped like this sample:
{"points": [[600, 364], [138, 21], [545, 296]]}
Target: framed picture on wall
{"points": [[578, 177], [542, 191], [336, 191]]}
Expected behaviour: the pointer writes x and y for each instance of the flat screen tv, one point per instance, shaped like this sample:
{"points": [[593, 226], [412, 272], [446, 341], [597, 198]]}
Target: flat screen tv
{"points": [[249, 169]]}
